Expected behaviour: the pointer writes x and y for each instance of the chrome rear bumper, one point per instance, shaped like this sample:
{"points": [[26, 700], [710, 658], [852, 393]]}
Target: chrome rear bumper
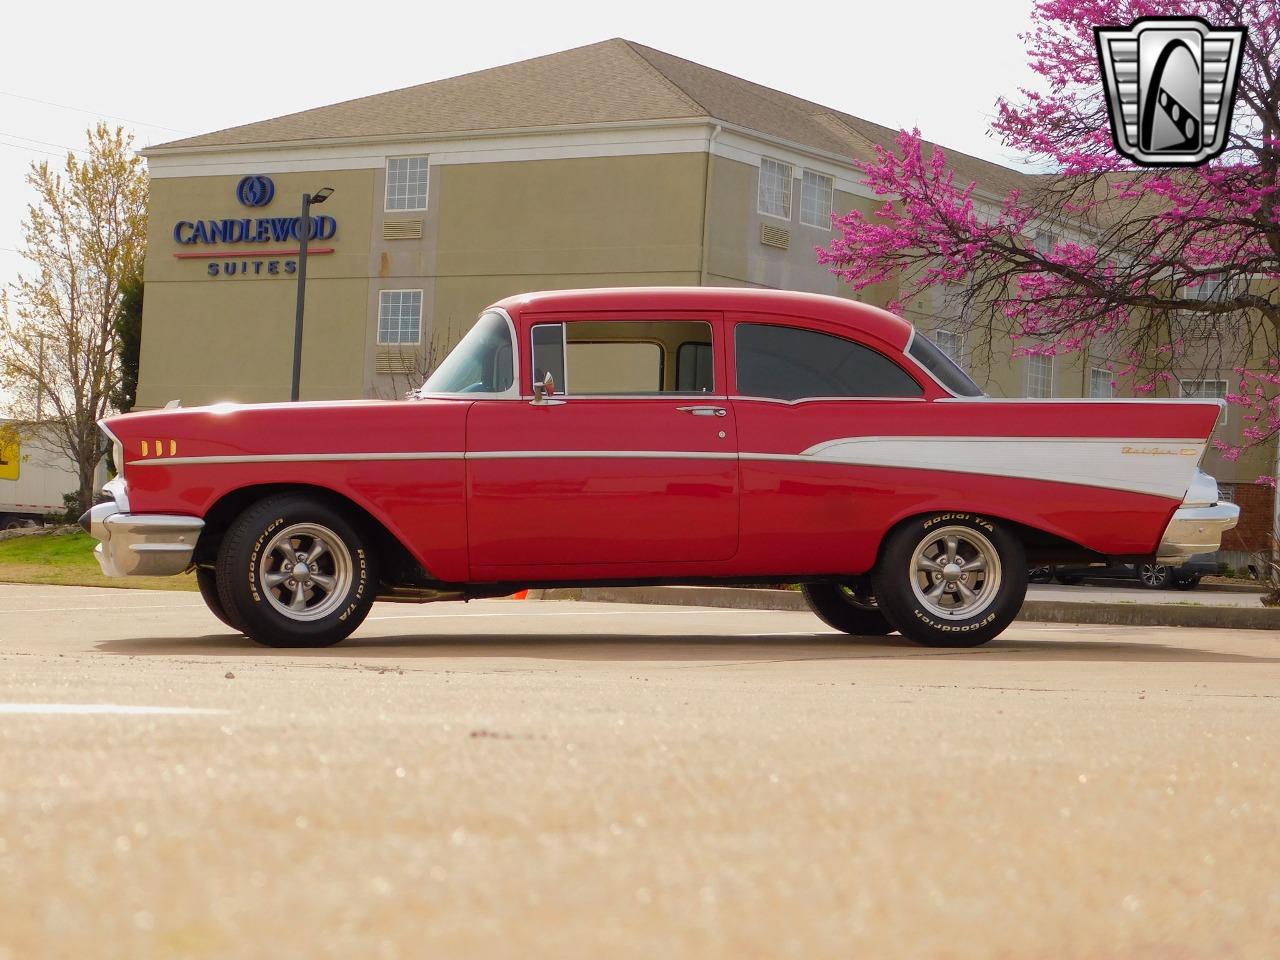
{"points": [[141, 544], [1196, 530]]}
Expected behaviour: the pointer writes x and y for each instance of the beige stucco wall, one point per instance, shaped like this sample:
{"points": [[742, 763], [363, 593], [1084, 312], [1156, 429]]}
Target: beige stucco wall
{"points": [[735, 255], [231, 337]]}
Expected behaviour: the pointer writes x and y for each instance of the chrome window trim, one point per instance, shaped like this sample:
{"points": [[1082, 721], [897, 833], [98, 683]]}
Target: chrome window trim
{"points": [[906, 352], [566, 396], [512, 392], [1221, 404], [792, 403], [666, 395]]}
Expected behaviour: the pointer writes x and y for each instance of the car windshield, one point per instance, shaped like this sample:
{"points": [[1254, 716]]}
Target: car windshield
{"points": [[926, 353], [481, 362]]}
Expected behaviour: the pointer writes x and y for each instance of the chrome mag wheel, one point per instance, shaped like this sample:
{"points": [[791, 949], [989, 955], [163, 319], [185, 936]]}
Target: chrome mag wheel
{"points": [[306, 571], [955, 572]]}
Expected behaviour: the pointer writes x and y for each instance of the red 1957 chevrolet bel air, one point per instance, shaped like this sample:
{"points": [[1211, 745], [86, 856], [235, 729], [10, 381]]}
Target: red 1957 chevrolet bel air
{"points": [[685, 435]]}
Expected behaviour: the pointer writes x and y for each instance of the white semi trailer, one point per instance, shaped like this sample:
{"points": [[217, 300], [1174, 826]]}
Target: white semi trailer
{"points": [[33, 479]]}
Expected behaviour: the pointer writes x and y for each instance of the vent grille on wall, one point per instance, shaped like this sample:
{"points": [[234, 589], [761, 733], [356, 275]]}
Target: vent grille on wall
{"points": [[389, 362], [402, 230], [772, 236]]}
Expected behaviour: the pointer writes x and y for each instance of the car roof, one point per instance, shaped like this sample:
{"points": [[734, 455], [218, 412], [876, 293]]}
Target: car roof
{"points": [[849, 313]]}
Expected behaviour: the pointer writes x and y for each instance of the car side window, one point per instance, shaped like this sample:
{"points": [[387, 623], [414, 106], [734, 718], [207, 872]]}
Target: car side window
{"points": [[787, 363], [625, 357]]}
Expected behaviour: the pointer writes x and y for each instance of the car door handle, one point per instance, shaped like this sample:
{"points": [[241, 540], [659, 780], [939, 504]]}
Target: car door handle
{"points": [[704, 411]]}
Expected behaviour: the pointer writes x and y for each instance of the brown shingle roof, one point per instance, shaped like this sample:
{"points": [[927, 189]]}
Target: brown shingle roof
{"points": [[611, 81]]}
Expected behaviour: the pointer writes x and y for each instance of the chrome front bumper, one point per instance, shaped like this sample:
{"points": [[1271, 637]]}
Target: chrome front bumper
{"points": [[1196, 530], [141, 544]]}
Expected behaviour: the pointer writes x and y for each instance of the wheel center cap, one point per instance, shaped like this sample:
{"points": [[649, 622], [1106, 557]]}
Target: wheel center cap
{"points": [[300, 569], [951, 572]]}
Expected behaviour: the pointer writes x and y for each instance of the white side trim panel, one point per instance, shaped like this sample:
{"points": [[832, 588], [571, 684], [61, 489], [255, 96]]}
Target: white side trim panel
{"points": [[1158, 467]]}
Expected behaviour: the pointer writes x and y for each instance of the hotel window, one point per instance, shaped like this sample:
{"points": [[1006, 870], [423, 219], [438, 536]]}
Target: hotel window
{"points": [[1205, 389], [1100, 383], [400, 316], [816, 190], [775, 188], [1045, 242], [407, 183], [951, 344], [1039, 376]]}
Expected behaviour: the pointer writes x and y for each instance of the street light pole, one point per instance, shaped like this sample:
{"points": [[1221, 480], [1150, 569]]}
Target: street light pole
{"points": [[304, 237]]}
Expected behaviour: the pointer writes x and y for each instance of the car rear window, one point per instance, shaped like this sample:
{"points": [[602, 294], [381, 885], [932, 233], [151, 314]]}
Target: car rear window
{"points": [[926, 353], [787, 363]]}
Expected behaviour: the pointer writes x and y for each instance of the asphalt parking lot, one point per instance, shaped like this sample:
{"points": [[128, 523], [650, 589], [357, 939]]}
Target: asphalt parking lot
{"points": [[519, 779]]}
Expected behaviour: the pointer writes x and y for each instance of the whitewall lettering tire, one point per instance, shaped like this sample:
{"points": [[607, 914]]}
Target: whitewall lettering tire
{"points": [[951, 579], [295, 571]]}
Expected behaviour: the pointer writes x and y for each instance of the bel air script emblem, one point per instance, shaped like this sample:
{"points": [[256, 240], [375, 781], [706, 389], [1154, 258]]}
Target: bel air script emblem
{"points": [[1158, 452], [1170, 83]]}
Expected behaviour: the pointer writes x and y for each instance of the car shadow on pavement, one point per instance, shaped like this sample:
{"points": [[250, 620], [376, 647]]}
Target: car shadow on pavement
{"points": [[762, 648]]}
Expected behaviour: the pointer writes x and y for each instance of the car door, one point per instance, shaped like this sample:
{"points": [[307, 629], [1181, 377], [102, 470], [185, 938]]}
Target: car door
{"points": [[627, 466], [797, 386]]}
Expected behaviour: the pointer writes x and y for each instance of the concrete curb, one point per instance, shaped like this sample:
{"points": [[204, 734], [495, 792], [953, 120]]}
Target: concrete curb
{"points": [[1034, 611]]}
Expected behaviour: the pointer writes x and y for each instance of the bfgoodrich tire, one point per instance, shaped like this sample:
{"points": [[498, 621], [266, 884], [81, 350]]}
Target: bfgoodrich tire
{"points": [[951, 579], [207, 581], [296, 572], [847, 608]]}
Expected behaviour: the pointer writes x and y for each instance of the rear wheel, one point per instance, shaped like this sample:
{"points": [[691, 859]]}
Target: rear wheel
{"points": [[296, 572], [851, 608], [1188, 582], [1154, 576], [951, 580], [207, 581]]}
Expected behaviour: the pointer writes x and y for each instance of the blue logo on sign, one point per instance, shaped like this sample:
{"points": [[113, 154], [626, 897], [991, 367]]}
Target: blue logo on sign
{"points": [[255, 191]]}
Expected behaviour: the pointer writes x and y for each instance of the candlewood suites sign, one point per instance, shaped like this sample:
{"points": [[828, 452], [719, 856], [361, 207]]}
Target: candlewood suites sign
{"points": [[202, 238]]}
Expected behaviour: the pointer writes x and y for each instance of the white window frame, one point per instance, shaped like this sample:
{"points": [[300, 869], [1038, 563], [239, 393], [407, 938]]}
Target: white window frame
{"points": [[1111, 390], [400, 343], [825, 222], [426, 184], [1031, 362], [790, 178], [1182, 388]]}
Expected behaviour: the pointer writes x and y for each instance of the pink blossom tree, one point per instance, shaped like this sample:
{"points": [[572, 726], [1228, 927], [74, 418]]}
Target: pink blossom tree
{"points": [[1159, 267]]}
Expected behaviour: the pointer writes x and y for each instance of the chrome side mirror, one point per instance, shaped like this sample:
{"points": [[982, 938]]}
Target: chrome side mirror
{"points": [[544, 390]]}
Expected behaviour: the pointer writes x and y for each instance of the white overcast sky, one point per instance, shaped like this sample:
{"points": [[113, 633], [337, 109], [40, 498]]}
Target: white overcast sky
{"points": [[166, 69]]}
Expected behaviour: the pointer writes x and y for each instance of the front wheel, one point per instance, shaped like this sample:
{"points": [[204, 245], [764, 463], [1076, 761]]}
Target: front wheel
{"points": [[294, 571], [952, 579], [848, 608]]}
